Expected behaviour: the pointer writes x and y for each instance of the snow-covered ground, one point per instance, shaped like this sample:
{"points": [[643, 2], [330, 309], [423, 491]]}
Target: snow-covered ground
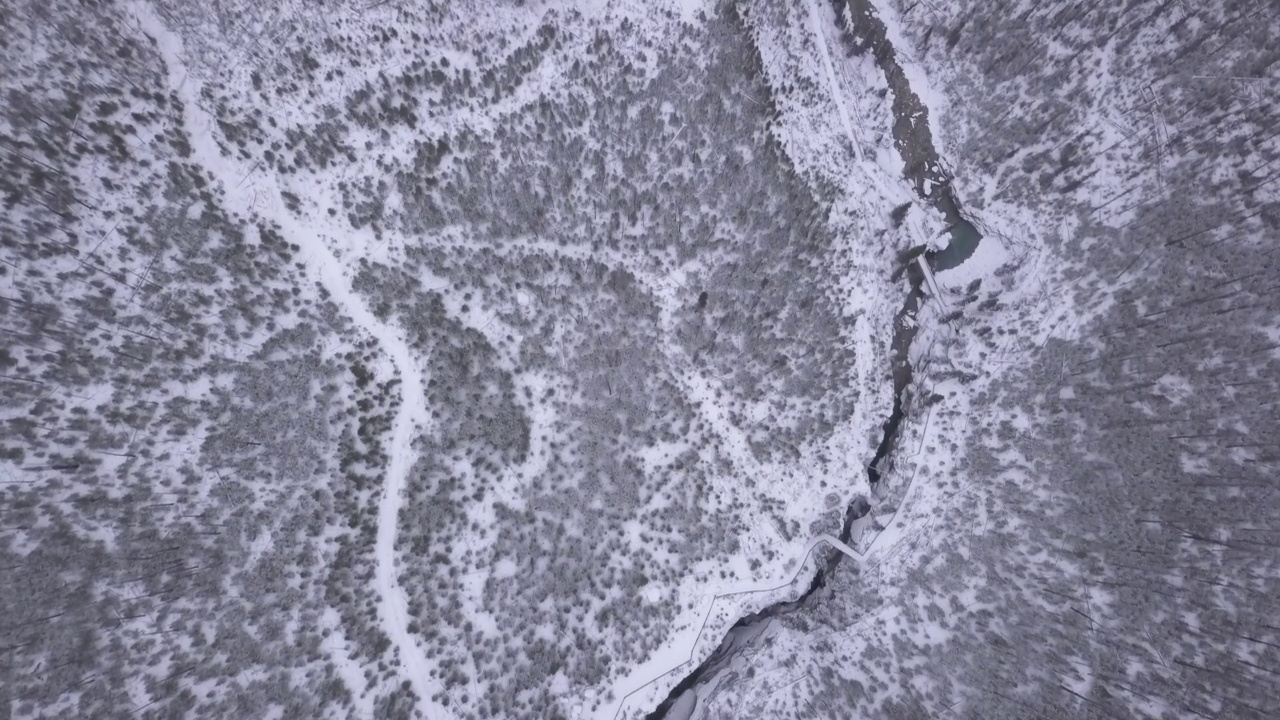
{"points": [[262, 200], [488, 244], [868, 177]]}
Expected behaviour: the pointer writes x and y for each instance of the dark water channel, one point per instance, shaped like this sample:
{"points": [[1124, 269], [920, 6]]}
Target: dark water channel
{"points": [[750, 626], [864, 32], [964, 236]]}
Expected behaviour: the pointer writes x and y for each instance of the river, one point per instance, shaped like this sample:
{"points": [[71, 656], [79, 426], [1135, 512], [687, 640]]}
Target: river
{"points": [[913, 140]]}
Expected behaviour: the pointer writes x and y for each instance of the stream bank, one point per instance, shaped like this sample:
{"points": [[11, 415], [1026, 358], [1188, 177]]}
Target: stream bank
{"points": [[913, 140], [912, 136]]}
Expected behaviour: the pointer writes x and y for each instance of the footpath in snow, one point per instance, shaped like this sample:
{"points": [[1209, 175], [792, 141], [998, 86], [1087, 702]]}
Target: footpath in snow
{"points": [[325, 268]]}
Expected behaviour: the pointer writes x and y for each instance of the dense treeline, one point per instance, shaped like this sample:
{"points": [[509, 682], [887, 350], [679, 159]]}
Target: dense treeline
{"points": [[171, 387], [626, 302], [608, 250]]}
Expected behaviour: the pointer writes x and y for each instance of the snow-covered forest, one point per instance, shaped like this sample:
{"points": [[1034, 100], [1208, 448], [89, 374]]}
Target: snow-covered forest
{"points": [[1085, 522], [608, 359]]}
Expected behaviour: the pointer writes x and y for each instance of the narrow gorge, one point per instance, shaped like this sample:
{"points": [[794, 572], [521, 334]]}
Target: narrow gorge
{"points": [[931, 182]]}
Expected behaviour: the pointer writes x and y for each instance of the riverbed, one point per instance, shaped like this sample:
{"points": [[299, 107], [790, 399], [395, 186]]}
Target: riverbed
{"points": [[912, 137]]}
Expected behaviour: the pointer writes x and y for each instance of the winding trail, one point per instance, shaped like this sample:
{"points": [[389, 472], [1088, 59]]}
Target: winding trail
{"points": [[412, 417]]}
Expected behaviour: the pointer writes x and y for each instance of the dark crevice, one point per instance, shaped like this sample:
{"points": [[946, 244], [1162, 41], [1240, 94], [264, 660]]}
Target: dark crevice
{"points": [[904, 333], [731, 643], [913, 140]]}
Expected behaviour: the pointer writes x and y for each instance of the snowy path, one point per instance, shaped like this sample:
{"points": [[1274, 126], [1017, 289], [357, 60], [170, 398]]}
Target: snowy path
{"points": [[326, 268], [837, 96]]}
